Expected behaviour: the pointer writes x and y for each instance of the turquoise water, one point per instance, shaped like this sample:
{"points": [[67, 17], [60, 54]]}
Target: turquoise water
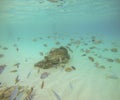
{"points": [[89, 29]]}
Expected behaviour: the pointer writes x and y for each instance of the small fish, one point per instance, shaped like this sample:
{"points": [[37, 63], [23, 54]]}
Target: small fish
{"points": [[45, 45], [69, 49], [57, 43], [97, 41], [41, 53], [91, 59], [73, 67], [17, 64], [17, 49], [48, 37], [18, 38], [101, 67], [112, 76], [87, 51], [105, 49], [34, 40], [28, 74], [69, 44], [5, 48], [93, 47], [71, 39], [97, 64], [1, 55], [17, 79], [44, 75], [40, 38], [83, 54], [42, 85], [14, 45], [110, 60], [56, 94], [77, 42], [114, 50], [2, 67], [31, 90], [13, 70]]}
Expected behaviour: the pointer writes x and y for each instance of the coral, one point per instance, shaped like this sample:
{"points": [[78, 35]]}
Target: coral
{"points": [[16, 92], [55, 57]]}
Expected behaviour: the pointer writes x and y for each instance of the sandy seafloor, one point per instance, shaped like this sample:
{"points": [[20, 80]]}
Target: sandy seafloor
{"points": [[27, 32]]}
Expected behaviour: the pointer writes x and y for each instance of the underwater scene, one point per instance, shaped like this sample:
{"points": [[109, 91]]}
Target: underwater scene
{"points": [[59, 50]]}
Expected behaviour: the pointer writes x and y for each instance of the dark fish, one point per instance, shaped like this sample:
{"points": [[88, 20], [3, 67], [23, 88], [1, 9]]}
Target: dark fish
{"points": [[44, 75], [112, 76], [69, 44], [17, 79], [57, 96], [48, 37], [40, 38], [114, 50], [110, 60], [57, 43], [97, 64], [2, 67], [83, 54], [73, 67], [5, 48], [45, 45], [42, 85], [102, 67], [69, 49], [41, 53], [87, 51], [17, 64], [18, 38], [34, 40], [71, 39], [1, 55], [13, 70], [93, 47], [28, 74], [91, 59], [14, 45], [17, 49]]}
